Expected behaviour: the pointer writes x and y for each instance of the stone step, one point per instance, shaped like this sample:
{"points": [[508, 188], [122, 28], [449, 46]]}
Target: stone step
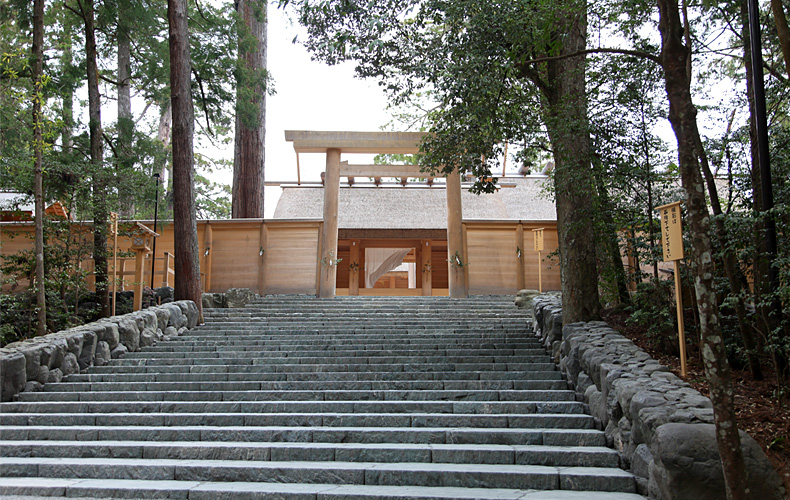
{"points": [[310, 372], [347, 350], [308, 434], [344, 357], [252, 403], [229, 374], [361, 473], [555, 421], [66, 390], [440, 390], [557, 456], [379, 366], [194, 490]]}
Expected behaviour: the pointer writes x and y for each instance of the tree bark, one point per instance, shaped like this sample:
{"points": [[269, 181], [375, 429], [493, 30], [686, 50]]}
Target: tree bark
{"points": [[568, 128], [250, 147], [187, 267], [125, 122], [782, 31], [683, 117], [163, 136], [38, 73], [100, 213]]}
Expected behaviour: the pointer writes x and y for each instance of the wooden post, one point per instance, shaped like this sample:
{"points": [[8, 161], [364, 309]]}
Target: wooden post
{"points": [[681, 326], [328, 256], [538, 235], [520, 279], [353, 272], [123, 273], [262, 259], [208, 241], [672, 244], [427, 269], [139, 263], [166, 270], [114, 218], [455, 237]]}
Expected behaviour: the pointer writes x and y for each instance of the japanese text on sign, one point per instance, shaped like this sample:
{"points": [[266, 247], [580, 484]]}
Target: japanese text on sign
{"points": [[671, 232], [538, 239]]}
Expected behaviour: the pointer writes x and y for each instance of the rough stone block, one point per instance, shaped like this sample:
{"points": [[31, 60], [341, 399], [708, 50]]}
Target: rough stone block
{"points": [[119, 351], [147, 337], [110, 333], [129, 332], [12, 375], [55, 375], [239, 297], [177, 318], [103, 353], [89, 340], [524, 298], [70, 364], [689, 465], [33, 386]]}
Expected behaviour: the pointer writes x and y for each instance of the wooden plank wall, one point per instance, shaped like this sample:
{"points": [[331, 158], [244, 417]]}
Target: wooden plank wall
{"points": [[290, 260], [493, 257], [291, 257]]}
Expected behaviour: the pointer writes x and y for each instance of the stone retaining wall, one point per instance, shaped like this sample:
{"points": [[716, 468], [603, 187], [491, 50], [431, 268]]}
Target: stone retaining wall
{"points": [[29, 364], [662, 427]]}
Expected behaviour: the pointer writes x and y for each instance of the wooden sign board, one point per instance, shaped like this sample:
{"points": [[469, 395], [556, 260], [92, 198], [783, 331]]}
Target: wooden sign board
{"points": [[671, 231], [538, 239]]}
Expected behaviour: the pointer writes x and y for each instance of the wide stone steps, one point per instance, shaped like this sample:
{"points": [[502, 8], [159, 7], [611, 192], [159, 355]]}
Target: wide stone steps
{"points": [[555, 456], [309, 434], [203, 490], [300, 398]]}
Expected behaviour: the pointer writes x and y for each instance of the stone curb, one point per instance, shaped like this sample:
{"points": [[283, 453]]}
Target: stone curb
{"points": [[29, 364], [662, 427]]}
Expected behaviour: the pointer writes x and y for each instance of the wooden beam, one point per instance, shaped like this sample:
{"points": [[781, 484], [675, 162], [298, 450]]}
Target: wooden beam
{"points": [[208, 242], [520, 278], [262, 259], [401, 171], [455, 238], [354, 268], [426, 268], [307, 141], [329, 239]]}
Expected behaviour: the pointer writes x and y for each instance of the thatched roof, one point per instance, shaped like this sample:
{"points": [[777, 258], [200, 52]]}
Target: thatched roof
{"points": [[418, 208]]}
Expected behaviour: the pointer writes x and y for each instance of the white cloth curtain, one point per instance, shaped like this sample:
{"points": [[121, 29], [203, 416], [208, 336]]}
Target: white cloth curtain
{"points": [[379, 261], [412, 274]]}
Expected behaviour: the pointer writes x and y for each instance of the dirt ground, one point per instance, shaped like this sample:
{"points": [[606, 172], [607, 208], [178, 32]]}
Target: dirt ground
{"points": [[761, 411]]}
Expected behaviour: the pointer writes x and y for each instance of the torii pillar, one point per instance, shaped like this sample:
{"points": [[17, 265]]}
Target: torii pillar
{"points": [[455, 237], [328, 280]]}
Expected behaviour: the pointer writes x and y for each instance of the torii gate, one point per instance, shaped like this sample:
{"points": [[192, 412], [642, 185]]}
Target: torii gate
{"points": [[333, 144]]}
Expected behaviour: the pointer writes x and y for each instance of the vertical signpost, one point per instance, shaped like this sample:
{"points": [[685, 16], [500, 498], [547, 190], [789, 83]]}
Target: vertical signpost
{"points": [[672, 242], [538, 236]]}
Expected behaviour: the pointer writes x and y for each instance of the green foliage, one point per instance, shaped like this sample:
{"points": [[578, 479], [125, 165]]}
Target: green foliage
{"points": [[652, 312]]}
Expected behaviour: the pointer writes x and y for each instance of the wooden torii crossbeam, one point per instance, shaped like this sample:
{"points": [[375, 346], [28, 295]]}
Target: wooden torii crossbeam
{"points": [[333, 144]]}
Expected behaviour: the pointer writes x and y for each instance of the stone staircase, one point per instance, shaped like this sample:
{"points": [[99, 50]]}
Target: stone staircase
{"points": [[301, 398]]}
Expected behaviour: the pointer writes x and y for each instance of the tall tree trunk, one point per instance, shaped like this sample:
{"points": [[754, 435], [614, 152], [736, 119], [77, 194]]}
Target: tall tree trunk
{"points": [[187, 286], [67, 111], [568, 128], [163, 136], [38, 146], [683, 117], [125, 122], [782, 31], [100, 213], [248, 161]]}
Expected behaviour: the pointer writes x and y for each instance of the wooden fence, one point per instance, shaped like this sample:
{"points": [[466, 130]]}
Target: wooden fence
{"points": [[281, 257]]}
